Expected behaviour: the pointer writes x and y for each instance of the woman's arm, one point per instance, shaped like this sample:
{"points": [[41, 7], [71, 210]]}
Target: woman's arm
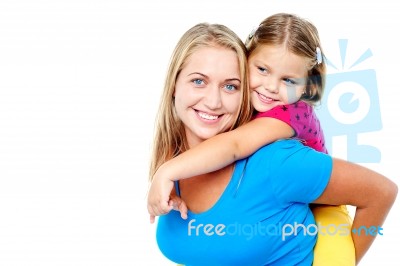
{"points": [[372, 193], [211, 155]]}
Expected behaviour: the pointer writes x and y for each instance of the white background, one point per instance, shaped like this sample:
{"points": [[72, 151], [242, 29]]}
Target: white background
{"points": [[79, 88]]}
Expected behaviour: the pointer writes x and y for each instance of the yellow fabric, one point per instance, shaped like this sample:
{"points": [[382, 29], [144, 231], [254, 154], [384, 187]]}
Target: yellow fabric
{"points": [[333, 249]]}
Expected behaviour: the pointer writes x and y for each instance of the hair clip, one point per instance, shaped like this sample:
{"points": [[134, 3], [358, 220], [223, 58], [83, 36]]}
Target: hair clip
{"points": [[251, 35], [319, 55]]}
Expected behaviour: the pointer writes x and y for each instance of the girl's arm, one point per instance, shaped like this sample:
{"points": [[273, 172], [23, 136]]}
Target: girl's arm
{"points": [[226, 148], [211, 155], [371, 193]]}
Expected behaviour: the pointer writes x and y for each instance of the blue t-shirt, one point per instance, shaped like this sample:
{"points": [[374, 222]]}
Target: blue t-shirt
{"points": [[262, 217]]}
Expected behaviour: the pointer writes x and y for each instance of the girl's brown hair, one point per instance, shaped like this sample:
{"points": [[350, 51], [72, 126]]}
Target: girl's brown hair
{"points": [[300, 37]]}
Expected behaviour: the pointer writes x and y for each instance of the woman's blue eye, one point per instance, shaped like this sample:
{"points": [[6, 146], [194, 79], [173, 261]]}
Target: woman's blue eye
{"points": [[198, 81], [230, 87]]}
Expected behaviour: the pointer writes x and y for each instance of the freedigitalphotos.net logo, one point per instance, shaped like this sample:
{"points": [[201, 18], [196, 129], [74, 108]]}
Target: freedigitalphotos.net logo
{"points": [[350, 106], [284, 230]]}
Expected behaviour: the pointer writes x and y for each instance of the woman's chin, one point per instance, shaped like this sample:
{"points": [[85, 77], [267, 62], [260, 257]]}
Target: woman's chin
{"points": [[198, 137]]}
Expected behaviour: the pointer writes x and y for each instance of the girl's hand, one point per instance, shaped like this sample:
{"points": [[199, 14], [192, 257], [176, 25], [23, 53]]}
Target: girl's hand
{"points": [[161, 198], [178, 205]]}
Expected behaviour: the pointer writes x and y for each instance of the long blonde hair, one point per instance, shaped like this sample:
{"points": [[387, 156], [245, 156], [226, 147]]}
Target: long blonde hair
{"points": [[300, 37], [170, 139]]}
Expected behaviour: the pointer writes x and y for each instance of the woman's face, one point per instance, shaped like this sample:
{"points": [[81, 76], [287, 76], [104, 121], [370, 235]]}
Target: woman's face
{"points": [[276, 77], [207, 93]]}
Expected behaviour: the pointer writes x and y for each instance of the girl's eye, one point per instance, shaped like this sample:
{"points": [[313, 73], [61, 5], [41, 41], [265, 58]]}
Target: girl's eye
{"points": [[290, 82], [198, 81], [231, 87], [262, 70]]}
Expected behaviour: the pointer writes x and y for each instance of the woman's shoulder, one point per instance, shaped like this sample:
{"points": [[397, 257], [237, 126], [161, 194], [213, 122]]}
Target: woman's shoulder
{"points": [[286, 144], [277, 150], [281, 150]]}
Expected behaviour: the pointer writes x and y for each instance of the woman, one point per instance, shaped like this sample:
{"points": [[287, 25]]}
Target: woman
{"points": [[255, 211]]}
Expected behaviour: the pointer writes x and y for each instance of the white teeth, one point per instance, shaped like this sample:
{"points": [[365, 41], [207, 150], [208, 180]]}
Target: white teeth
{"points": [[207, 116], [265, 97]]}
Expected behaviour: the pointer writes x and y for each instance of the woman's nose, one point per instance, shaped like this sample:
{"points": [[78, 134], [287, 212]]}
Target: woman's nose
{"points": [[212, 98]]}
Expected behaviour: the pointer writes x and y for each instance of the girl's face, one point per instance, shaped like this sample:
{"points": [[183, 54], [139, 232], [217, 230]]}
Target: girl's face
{"points": [[207, 93], [276, 77]]}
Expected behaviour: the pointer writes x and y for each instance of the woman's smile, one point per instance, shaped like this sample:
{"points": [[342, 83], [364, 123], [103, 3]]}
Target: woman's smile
{"points": [[207, 117], [207, 94]]}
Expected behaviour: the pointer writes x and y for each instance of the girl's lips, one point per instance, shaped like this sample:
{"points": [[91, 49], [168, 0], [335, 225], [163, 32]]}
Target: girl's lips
{"points": [[265, 99]]}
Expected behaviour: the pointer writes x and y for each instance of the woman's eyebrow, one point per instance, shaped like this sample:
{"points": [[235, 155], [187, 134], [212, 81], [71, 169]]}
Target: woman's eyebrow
{"points": [[198, 73], [204, 75], [234, 79]]}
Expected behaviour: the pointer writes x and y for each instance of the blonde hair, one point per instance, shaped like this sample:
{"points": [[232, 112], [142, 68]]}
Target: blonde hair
{"points": [[300, 37], [170, 139]]}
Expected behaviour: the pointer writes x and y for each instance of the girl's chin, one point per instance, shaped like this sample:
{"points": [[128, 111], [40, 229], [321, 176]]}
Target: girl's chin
{"points": [[264, 109]]}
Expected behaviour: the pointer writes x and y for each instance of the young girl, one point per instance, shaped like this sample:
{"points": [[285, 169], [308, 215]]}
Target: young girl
{"points": [[286, 78]]}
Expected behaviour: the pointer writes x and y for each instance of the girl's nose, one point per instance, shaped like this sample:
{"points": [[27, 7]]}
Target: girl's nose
{"points": [[271, 85], [273, 88]]}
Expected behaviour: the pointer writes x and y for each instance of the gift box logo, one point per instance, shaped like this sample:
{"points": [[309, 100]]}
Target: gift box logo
{"points": [[350, 106]]}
